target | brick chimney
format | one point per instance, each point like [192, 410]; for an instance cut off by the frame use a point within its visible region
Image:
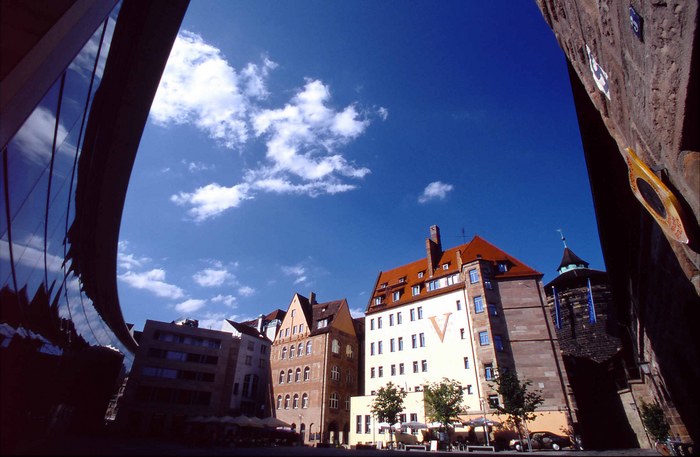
[433, 248]
[312, 298]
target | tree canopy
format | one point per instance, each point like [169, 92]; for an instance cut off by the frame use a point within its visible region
[519, 404]
[444, 401]
[388, 404]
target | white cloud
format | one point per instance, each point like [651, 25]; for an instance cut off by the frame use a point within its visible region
[154, 282]
[357, 312]
[212, 199]
[210, 277]
[214, 320]
[194, 167]
[383, 113]
[30, 254]
[246, 291]
[228, 300]
[435, 190]
[298, 271]
[190, 305]
[303, 137]
[35, 137]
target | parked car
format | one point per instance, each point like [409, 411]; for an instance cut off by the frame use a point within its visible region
[541, 440]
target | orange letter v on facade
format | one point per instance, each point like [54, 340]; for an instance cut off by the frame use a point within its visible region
[440, 332]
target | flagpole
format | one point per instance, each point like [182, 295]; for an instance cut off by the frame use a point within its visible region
[591, 306]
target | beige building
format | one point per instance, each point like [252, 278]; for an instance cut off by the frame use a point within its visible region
[460, 313]
[314, 366]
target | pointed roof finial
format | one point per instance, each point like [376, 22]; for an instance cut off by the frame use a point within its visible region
[563, 239]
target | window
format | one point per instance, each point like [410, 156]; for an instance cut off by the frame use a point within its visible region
[297, 375]
[322, 323]
[371, 372]
[414, 417]
[466, 363]
[300, 349]
[391, 320]
[414, 341]
[251, 345]
[398, 318]
[248, 360]
[301, 328]
[294, 311]
[498, 342]
[286, 331]
[335, 346]
[484, 338]
[263, 349]
[493, 401]
[368, 423]
[349, 378]
[286, 402]
[445, 266]
[415, 290]
[393, 370]
[279, 402]
[502, 267]
[392, 345]
[347, 403]
[358, 424]
[335, 373]
[305, 401]
[282, 377]
[402, 418]
[307, 373]
[473, 276]
[284, 352]
[415, 366]
[379, 322]
[371, 348]
[294, 330]
[349, 352]
[401, 368]
[433, 285]
[380, 372]
[459, 304]
[295, 401]
[261, 363]
[413, 314]
[452, 279]
[424, 365]
[487, 284]
[420, 312]
[396, 295]
[371, 324]
[469, 389]
[422, 340]
[493, 309]
[289, 376]
[378, 300]
[379, 348]
[292, 351]
[478, 304]
[334, 401]
[308, 347]
[489, 372]
[420, 274]
[401, 343]
[461, 333]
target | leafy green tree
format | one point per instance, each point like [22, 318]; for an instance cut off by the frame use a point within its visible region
[654, 421]
[444, 401]
[388, 404]
[519, 403]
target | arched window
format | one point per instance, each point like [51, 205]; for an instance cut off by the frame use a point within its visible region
[292, 351]
[334, 400]
[305, 401]
[307, 373]
[347, 403]
[282, 377]
[335, 373]
[279, 401]
[286, 401]
[284, 352]
[297, 375]
[300, 349]
[349, 352]
[295, 402]
[289, 375]
[335, 347]
[308, 347]
[349, 378]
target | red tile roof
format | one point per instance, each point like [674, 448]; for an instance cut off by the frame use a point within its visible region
[403, 278]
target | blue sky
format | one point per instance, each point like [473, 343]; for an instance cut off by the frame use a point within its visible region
[298, 146]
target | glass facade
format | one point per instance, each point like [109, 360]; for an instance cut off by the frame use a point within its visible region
[41, 290]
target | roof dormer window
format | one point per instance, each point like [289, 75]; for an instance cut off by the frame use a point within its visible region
[445, 266]
[503, 267]
[402, 279]
[383, 285]
[420, 274]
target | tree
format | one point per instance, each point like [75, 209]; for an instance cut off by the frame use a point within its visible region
[519, 404]
[444, 401]
[654, 421]
[388, 404]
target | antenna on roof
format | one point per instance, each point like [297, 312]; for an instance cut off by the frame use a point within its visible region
[463, 236]
[562, 237]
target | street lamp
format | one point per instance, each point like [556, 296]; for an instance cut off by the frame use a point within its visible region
[486, 433]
